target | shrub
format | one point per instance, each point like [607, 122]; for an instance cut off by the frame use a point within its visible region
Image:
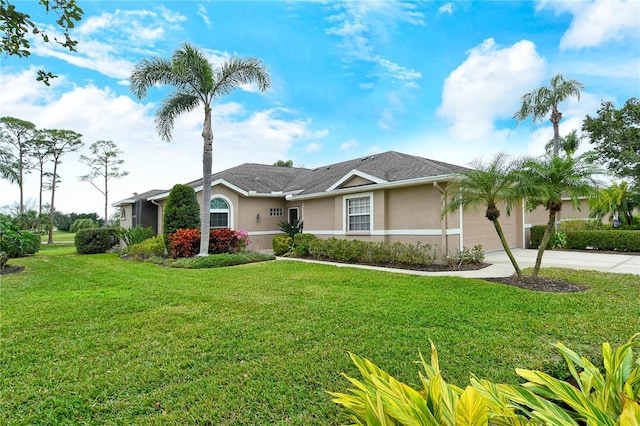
[79, 224]
[16, 242]
[148, 248]
[291, 229]
[93, 241]
[466, 256]
[215, 260]
[135, 235]
[281, 244]
[592, 398]
[301, 244]
[537, 232]
[181, 211]
[4, 258]
[184, 243]
[604, 240]
[579, 225]
[224, 240]
[340, 250]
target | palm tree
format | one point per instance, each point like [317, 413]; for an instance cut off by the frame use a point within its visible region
[538, 103]
[488, 185]
[197, 82]
[546, 181]
[616, 200]
[568, 144]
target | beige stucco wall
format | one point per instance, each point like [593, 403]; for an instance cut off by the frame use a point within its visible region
[477, 229]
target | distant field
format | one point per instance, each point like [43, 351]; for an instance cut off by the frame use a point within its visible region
[59, 237]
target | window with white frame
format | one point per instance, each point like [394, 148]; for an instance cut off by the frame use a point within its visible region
[219, 213]
[359, 214]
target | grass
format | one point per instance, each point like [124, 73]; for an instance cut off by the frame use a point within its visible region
[59, 237]
[95, 340]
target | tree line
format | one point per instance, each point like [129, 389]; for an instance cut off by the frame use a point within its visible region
[25, 149]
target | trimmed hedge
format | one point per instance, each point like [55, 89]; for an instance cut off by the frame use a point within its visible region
[281, 244]
[93, 241]
[537, 232]
[215, 260]
[604, 240]
[148, 248]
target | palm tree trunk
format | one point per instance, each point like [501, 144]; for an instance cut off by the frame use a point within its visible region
[207, 163]
[106, 196]
[545, 241]
[556, 116]
[507, 250]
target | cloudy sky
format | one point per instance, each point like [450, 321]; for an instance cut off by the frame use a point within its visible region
[349, 78]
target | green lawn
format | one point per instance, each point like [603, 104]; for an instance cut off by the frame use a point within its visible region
[97, 340]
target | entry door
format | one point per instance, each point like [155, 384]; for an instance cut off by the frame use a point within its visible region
[293, 215]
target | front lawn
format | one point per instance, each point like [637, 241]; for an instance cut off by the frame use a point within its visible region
[97, 340]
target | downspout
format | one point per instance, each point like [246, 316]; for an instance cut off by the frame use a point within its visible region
[444, 222]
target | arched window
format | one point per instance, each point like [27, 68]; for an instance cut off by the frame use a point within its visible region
[219, 213]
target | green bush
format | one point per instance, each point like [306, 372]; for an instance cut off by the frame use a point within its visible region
[79, 224]
[281, 244]
[291, 229]
[96, 240]
[135, 235]
[181, 211]
[340, 250]
[215, 260]
[537, 232]
[16, 242]
[604, 240]
[302, 243]
[148, 248]
[580, 225]
[466, 256]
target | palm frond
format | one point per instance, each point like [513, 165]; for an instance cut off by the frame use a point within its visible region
[171, 108]
[148, 73]
[194, 69]
[240, 71]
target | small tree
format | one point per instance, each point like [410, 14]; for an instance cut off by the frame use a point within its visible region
[615, 134]
[40, 151]
[104, 163]
[18, 134]
[60, 142]
[488, 185]
[182, 210]
[282, 163]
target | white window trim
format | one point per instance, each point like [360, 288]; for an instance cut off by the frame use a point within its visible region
[229, 203]
[345, 213]
[289, 212]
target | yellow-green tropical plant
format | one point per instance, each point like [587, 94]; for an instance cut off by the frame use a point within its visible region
[379, 399]
[612, 398]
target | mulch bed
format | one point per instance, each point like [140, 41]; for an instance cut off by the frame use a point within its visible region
[11, 269]
[548, 285]
[544, 284]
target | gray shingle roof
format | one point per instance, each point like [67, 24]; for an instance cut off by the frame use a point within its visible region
[389, 166]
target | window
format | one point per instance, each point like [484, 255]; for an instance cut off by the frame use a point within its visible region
[359, 214]
[275, 212]
[293, 214]
[123, 213]
[219, 213]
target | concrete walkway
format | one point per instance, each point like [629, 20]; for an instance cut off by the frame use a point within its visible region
[500, 265]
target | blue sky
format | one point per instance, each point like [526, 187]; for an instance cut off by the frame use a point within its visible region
[435, 79]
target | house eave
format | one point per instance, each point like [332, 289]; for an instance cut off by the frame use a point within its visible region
[373, 187]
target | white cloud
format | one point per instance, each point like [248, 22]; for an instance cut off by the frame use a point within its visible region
[350, 144]
[239, 136]
[107, 42]
[386, 120]
[599, 21]
[204, 14]
[313, 147]
[488, 86]
[446, 8]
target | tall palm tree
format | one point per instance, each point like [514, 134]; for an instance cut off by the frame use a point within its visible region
[546, 181]
[616, 200]
[489, 185]
[197, 82]
[538, 103]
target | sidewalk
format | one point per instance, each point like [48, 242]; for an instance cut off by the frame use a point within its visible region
[500, 265]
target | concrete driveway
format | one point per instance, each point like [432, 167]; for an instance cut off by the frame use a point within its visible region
[500, 265]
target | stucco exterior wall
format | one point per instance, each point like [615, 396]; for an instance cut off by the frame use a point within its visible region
[477, 229]
[126, 215]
